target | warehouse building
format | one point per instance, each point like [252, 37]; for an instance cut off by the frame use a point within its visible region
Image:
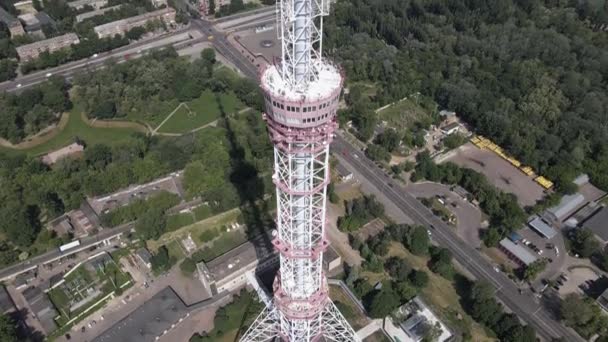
[598, 224]
[566, 206]
[14, 25]
[516, 252]
[33, 50]
[91, 14]
[542, 228]
[120, 27]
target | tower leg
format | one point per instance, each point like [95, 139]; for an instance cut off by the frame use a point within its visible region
[335, 326]
[264, 328]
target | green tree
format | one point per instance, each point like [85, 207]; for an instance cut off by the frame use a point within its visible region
[188, 266]
[418, 241]
[161, 261]
[383, 303]
[8, 329]
[419, 278]
[152, 224]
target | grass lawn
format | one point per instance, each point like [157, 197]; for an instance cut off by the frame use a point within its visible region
[203, 110]
[175, 250]
[177, 221]
[403, 114]
[441, 295]
[196, 229]
[76, 127]
[349, 310]
[223, 244]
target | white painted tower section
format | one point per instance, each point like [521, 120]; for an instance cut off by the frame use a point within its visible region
[301, 97]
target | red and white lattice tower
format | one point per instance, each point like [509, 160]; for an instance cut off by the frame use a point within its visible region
[301, 94]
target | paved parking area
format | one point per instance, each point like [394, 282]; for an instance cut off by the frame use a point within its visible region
[171, 183]
[468, 216]
[577, 277]
[498, 172]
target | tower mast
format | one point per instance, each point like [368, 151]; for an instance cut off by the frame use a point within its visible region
[301, 98]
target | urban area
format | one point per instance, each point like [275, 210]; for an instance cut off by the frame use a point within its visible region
[303, 170]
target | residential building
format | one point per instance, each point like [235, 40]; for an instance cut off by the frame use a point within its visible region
[451, 128]
[33, 50]
[598, 224]
[91, 14]
[41, 308]
[71, 150]
[516, 252]
[145, 257]
[542, 228]
[79, 4]
[120, 27]
[218, 4]
[344, 174]
[14, 25]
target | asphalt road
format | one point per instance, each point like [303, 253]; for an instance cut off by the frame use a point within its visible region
[523, 305]
[55, 254]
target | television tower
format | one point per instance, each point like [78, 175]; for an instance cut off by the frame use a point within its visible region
[301, 98]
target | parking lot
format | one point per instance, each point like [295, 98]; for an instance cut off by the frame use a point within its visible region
[498, 172]
[103, 204]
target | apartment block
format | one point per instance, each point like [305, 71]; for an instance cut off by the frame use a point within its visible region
[33, 50]
[120, 27]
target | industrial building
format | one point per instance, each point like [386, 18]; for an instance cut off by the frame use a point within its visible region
[33, 50]
[567, 205]
[228, 271]
[150, 321]
[516, 252]
[120, 27]
[80, 4]
[542, 228]
[598, 224]
[14, 25]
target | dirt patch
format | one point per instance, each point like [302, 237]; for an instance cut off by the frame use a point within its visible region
[115, 124]
[499, 172]
[576, 277]
[41, 137]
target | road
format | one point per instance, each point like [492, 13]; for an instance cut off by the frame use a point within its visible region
[524, 305]
[56, 254]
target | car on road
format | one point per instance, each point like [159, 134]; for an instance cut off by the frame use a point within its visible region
[19, 85]
[355, 155]
[94, 55]
[48, 74]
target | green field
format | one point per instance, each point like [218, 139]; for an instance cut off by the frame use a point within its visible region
[202, 111]
[403, 114]
[76, 127]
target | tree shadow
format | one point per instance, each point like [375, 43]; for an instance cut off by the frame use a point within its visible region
[24, 332]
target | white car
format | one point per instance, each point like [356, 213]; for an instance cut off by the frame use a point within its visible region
[356, 156]
[48, 74]
[95, 55]
[19, 85]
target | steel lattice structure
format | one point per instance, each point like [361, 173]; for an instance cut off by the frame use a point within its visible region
[301, 97]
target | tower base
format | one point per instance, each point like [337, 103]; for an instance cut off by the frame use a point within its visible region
[334, 327]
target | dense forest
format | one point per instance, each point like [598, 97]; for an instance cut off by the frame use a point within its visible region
[530, 74]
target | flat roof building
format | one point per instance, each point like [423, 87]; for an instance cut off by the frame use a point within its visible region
[343, 172]
[451, 128]
[228, 271]
[542, 228]
[14, 25]
[91, 14]
[150, 321]
[602, 300]
[79, 4]
[42, 308]
[120, 27]
[144, 256]
[566, 206]
[598, 224]
[32, 51]
[516, 252]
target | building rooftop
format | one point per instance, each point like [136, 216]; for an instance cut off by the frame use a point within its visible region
[598, 223]
[144, 254]
[567, 204]
[81, 3]
[41, 307]
[148, 321]
[329, 81]
[6, 302]
[542, 228]
[518, 251]
[342, 171]
[6, 17]
[602, 300]
[450, 126]
[135, 19]
[232, 261]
